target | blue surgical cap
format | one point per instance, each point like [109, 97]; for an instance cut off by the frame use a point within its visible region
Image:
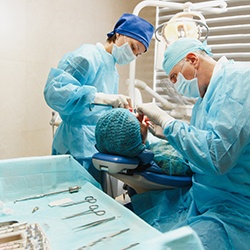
[118, 132]
[179, 49]
[134, 27]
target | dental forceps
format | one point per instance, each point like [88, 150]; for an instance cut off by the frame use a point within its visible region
[89, 199]
[104, 238]
[95, 223]
[92, 209]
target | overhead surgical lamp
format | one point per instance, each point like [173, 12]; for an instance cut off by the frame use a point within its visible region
[183, 24]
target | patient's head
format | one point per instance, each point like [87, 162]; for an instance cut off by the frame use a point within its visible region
[119, 132]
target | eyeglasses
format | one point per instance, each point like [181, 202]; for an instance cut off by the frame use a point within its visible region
[173, 77]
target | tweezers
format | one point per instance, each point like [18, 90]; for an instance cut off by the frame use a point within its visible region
[93, 224]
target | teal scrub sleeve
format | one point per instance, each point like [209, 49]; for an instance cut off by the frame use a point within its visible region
[69, 88]
[220, 125]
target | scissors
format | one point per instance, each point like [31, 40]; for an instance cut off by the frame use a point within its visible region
[89, 199]
[92, 209]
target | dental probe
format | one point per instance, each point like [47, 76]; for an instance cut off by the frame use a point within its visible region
[71, 190]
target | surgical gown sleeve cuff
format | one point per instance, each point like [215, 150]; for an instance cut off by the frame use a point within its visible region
[168, 120]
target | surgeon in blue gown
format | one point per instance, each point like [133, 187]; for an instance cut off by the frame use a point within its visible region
[216, 144]
[88, 75]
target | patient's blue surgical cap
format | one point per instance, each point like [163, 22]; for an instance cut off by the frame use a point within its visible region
[179, 49]
[134, 27]
[118, 132]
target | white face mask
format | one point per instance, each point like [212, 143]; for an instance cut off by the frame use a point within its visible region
[188, 88]
[123, 54]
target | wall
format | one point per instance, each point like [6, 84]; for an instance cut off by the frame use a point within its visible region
[34, 36]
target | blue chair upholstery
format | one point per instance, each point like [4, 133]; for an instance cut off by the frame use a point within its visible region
[150, 179]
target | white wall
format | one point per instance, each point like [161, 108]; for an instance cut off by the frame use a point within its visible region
[34, 34]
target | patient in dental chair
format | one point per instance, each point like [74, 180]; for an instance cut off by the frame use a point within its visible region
[119, 132]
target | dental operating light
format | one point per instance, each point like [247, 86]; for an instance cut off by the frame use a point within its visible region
[184, 24]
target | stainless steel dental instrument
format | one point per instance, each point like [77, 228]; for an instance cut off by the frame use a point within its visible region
[92, 209]
[130, 246]
[92, 105]
[103, 238]
[95, 223]
[35, 209]
[71, 190]
[89, 199]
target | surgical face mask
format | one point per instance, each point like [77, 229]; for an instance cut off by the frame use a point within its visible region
[123, 54]
[188, 88]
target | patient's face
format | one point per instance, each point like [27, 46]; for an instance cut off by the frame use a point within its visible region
[144, 127]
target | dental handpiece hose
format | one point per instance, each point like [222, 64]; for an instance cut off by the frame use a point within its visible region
[71, 190]
[143, 86]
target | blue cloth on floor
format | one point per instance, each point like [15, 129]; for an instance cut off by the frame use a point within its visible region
[221, 227]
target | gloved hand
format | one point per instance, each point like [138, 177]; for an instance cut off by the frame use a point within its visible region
[156, 130]
[155, 114]
[117, 101]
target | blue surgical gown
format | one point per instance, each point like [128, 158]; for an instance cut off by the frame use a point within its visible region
[70, 89]
[217, 146]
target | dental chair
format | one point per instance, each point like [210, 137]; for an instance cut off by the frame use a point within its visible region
[127, 170]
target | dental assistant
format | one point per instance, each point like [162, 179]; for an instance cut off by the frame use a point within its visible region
[216, 145]
[89, 75]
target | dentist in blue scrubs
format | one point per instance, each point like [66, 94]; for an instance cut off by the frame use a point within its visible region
[216, 145]
[88, 75]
